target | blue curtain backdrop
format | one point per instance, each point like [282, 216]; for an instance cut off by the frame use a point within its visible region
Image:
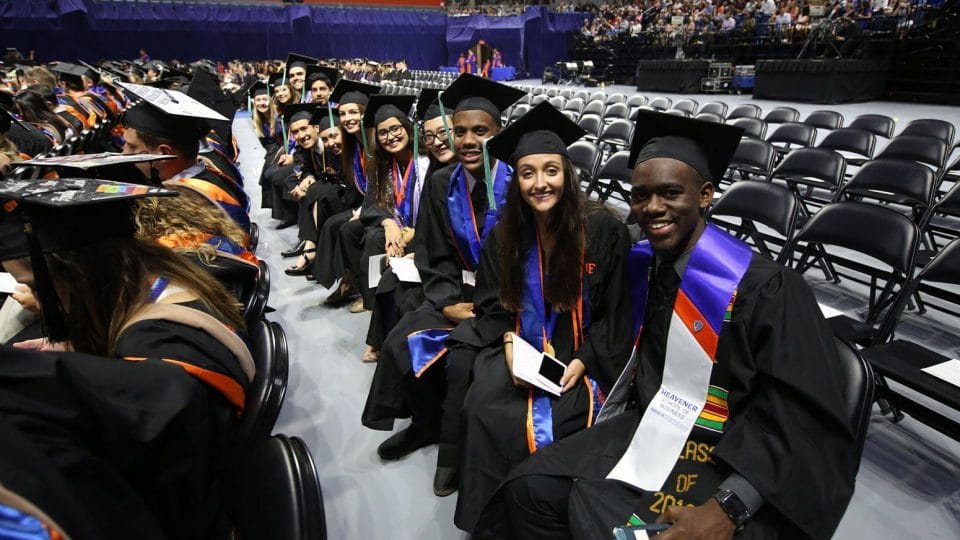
[427, 39]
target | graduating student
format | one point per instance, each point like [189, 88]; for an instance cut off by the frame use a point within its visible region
[393, 195]
[320, 82]
[459, 207]
[266, 121]
[552, 274]
[75, 98]
[284, 182]
[162, 126]
[145, 424]
[351, 98]
[296, 73]
[395, 298]
[730, 413]
[320, 190]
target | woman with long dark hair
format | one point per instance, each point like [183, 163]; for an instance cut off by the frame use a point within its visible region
[145, 418]
[393, 197]
[357, 141]
[33, 109]
[552, 274]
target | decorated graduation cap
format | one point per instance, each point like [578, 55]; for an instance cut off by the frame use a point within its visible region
[707, 147]
[61, 215]
[299, 60]
[472, 93]
[300, 111]
[169, 114]
[348, 91]
[382, 107]
[543, 130]
[427, 106]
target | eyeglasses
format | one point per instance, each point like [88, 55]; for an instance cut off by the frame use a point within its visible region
[392, 131]
[428, 137]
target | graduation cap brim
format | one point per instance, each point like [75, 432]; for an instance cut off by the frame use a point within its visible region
[428, 96]
[470, 92]
[705, 146]
[205, 88]
[293, 58]
[169, 114]
[542, 130]
[330, 73]
[276, 80]
[90, 161]
[346, 86]
[93, 72]
[299, 109]
[251, 89]
[173, 102]
[381, 103]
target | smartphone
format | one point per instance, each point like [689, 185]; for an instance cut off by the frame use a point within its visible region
[551, 369]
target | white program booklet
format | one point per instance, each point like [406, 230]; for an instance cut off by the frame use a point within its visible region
[948, 371]
[536, 368]
[405, 269]
[374, 273]
[8, 285]
[829, 311]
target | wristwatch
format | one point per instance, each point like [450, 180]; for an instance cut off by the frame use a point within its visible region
[733, 506]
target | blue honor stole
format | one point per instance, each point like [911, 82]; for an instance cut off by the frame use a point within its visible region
[536, 327]
[463, 222]
[359, 170]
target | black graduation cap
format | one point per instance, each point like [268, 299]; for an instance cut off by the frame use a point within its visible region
[169, 114]
[324, 119]
[470, 92]
[70, 72]
[300, 111]
[705, 146]
[205, 88]
[276, 80]
[299, 60]
[172, 83]
[543, 130]
[258, 88]
[348, 91]
[92, 72]
[382, 107]
[64, 214]
[320, 72]
[427, 107]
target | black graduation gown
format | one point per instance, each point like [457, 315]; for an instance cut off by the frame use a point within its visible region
[330, 262]
[786, 432]
[133, 447]
[494, 414]
[441, 273]
[324, 198]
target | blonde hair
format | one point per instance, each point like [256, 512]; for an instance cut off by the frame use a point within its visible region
[183, 222]
[270, 120]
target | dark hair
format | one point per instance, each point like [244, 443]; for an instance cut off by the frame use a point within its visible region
[33, 108]
[349, 142]
[187, 150]
[383, 160]
[104, 285]
[515, 238]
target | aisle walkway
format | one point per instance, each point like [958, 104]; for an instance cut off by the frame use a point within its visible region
[908, 486]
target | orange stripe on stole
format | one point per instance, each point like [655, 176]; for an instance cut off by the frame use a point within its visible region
[689, 313]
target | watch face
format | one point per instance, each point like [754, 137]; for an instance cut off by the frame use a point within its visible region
[733, 506]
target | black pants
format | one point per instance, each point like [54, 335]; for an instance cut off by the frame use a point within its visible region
[537, 507]
[459, 366]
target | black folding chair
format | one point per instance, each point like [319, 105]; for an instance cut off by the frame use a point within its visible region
[585, 156]
[268, 388]
[828, 120]
[871, 230]
[616, 136]
[613, 178]
[878, 124]
[594, 107]
[903, 361]
[592, 124]
[688, 105]
[754, 128]
[616, 111]
[931, 127]
[806, 170]
[636, 101]
[857, 145]
[860, 390]
[715, 107]
[746, 110]
[792, 136]
[275, 493]
[782, 115]
[753, 158]
[660, 103]
[771, 205]
[927, 150]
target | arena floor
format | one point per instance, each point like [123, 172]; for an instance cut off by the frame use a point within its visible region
[908, 485]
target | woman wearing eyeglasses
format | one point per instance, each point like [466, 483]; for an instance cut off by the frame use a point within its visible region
[393, 195]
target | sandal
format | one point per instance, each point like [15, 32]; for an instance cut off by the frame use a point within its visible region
[370, 355]
[357, 306]
[305, 269]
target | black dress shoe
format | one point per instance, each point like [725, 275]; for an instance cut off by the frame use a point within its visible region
[285, 225]
[407, 441]
[295, 250]
[445, 481]
[340, 297]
